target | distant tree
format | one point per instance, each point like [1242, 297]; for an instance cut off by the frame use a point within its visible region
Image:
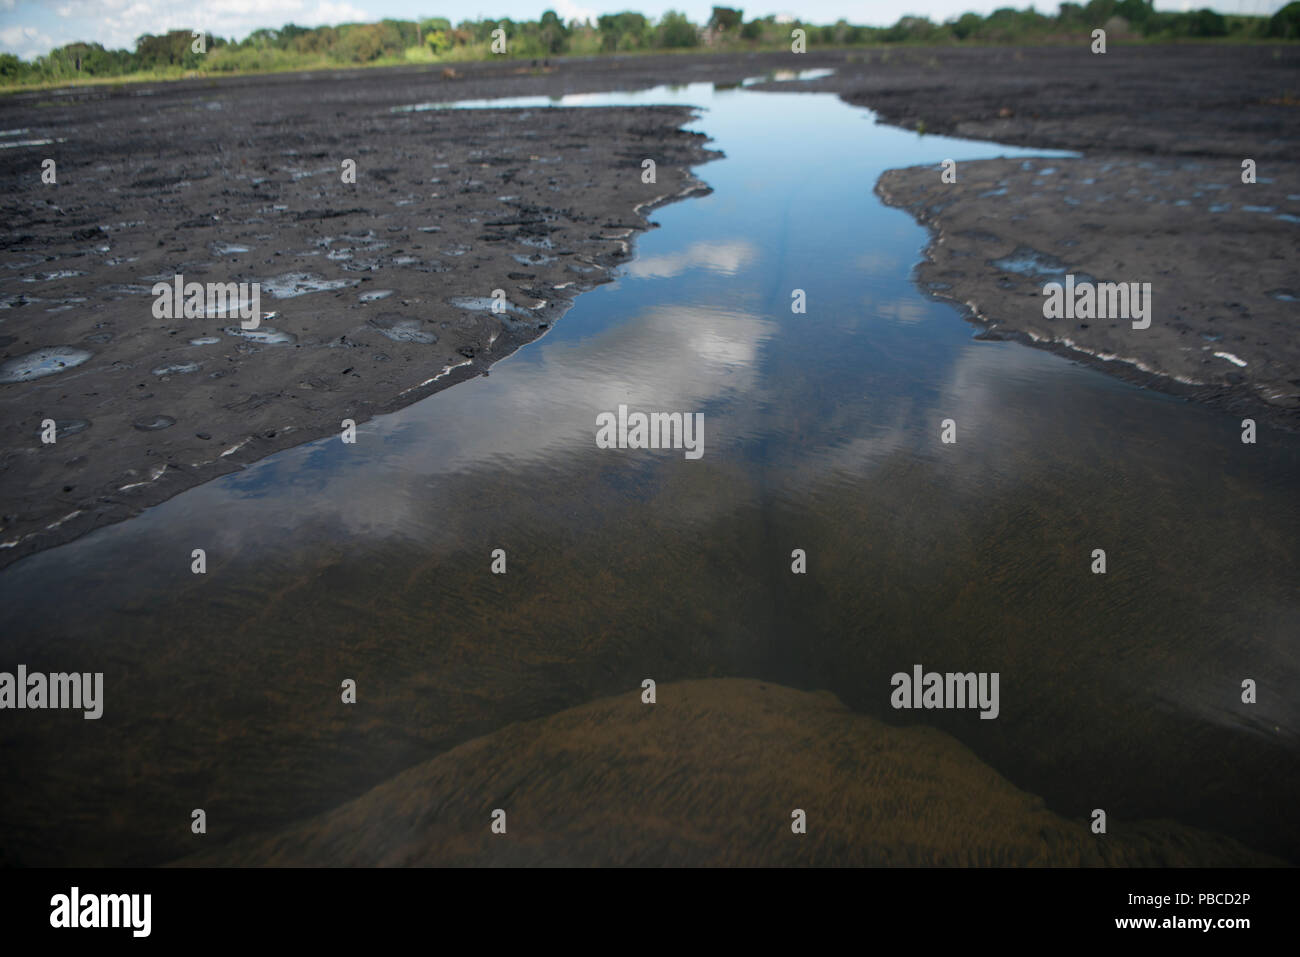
[966, 25]
[481, 30]
[290, 32]
[1099, 11]
[1136, 12]
[554, 35]
[315, 42]
[1198, 23]
[259, 39]
[437, 35]
[842, 32]
[624, 31]
[365, 42]
[725, 18]
[1071, 15]
[11, 68]
[399, 34]
[910, 28]
[170, 49]
[675, 31]
[1206, 23]
[1285, 24]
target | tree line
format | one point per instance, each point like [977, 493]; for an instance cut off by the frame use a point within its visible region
[435, 39]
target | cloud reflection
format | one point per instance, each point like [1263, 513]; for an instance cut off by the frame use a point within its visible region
[726, 258]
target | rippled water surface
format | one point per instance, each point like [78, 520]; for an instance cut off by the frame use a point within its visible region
[821, 432]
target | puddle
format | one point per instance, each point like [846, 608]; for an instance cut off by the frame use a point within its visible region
[263, 335]
[154, 423]
[64, 428]
[1025, 261]
[176, 368]
[701, 92]
[787, 76]
[485, 303]
[402, 330]
[42, 362]
[51, 276]
[290, 285]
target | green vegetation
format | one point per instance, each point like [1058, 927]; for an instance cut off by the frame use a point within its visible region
[1285, 24]
[436, 40]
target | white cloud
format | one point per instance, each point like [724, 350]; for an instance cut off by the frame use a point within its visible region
[117, 24]
[27, 42]
[726, 258]
[568, 10]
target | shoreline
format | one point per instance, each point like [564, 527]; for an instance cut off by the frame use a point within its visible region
[308, 107]
[1155, 195]
[1184, 356]
[160, 486]
[424, 228]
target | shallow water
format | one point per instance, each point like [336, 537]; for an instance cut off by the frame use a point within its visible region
[372, 560]
[42, 362]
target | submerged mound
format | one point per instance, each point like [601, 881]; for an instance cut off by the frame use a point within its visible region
[710, 775]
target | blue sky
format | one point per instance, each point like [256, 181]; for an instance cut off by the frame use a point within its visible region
[31, 27]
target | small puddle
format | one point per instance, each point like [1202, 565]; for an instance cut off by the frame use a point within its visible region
[176, 368]
[291, 285]
[403, 330]
[488, 304]
[154, 423]
[264, 335]
[42, 362]
[1030, 262]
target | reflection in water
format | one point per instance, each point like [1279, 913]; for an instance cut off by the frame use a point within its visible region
[371, 561]
[726, 258]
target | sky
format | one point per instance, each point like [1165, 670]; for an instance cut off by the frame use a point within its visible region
[33, 27]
